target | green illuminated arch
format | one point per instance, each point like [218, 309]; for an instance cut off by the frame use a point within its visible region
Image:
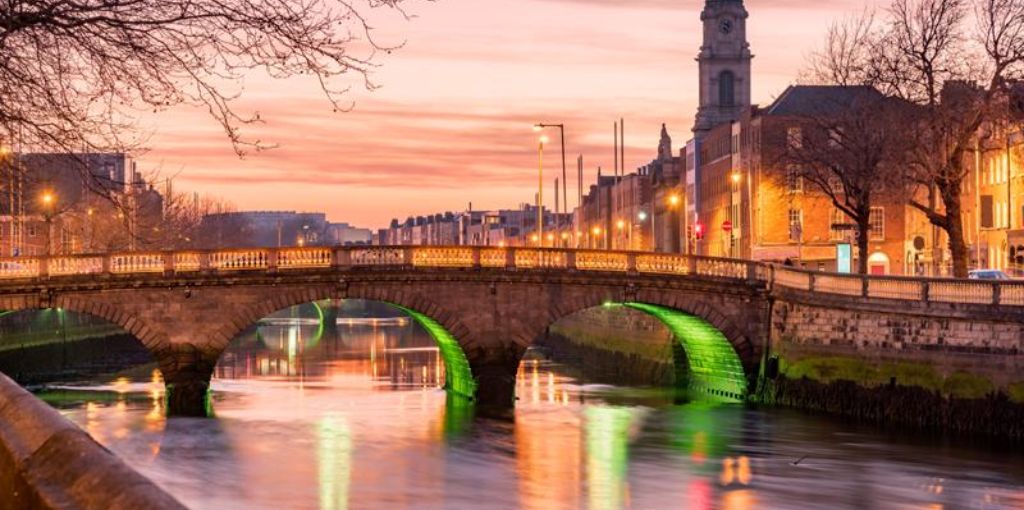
[714, 368]
[458, 377]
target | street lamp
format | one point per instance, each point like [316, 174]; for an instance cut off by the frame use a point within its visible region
[49, 199]
[565, 183]
[736, 178]
[540, 185]
[642, 218]
[597, 236]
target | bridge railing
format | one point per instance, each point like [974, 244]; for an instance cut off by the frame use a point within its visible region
[935, 290]
[293, 259]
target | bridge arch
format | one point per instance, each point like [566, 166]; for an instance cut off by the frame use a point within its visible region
[446, 330]
[151, 338]
[47, 339]
[718, 356]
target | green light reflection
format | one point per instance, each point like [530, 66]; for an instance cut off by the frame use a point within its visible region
[713, 368]
[458, 376]
[607, 443]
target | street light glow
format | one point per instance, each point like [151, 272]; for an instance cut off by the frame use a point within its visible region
[736, 177]
[48, 198]
[642, 216]
[597, 231]
[544, 139]
[674, 200]
[621, 224]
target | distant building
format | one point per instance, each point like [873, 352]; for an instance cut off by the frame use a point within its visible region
[270, 229]
[343, 234]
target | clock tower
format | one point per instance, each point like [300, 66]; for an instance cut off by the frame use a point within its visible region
[724, 62]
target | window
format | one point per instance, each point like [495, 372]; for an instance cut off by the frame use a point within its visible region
[836, 185]
[835, 137]
[794, 181]
[796, 224]
[838, 224]
[32, 231]
[794, 138]
[877, 223]
[726, 89]
[987, 212]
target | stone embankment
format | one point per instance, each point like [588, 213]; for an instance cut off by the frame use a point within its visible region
[958, 369]
[46, 462]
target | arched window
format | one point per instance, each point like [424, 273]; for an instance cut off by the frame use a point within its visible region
[727, 89]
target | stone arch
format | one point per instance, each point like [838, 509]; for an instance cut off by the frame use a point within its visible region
[685, 303]
[443, 326]
[150, 338]
[131, 325]
[690, 304]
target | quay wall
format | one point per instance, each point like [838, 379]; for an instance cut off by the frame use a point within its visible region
[48, 463]
[950, 368]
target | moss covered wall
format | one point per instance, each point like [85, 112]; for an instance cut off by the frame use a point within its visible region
[957, 357]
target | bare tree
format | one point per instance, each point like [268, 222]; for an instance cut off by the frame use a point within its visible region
[959, 77]
[75, 75]
[848, 149]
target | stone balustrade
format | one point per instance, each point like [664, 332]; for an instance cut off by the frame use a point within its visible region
[1006, 293]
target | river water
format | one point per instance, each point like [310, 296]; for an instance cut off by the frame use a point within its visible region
[308, 419]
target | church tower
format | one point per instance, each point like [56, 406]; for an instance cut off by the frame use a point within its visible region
[724, 64]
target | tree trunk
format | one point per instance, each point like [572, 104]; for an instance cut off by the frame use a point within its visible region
[863, 241]
[955, 229]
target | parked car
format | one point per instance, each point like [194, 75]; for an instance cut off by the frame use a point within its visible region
[988, 274]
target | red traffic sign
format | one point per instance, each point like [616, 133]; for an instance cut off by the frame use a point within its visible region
[727, 226]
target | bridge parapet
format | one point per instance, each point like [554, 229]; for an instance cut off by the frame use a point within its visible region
[936, 290]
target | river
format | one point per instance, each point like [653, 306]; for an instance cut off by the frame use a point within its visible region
[308, 418]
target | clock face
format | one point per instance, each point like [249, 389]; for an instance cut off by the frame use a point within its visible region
[725, 26]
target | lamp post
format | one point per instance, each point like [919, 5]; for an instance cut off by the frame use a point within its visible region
[642, 218]
[735, 178]
[673, 202]
[540, 187]
[565, 183]
[49, 200]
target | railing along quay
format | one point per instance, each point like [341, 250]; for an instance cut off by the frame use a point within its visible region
[290, 259]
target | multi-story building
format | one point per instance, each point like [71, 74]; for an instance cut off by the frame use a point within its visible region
[74, 203]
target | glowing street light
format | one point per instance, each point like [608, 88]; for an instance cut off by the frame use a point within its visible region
[642, 216]
[736, 178]
[48, 198]
[540, 182]
[674, 200]
[620, 224]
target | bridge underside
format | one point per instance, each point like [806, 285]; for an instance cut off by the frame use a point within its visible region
[712, 367]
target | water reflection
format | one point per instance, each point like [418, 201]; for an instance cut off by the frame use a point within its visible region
[352, 417]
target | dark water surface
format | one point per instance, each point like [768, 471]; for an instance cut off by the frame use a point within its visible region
[315, 420]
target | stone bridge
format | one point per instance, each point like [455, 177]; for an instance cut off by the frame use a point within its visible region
[485, 306]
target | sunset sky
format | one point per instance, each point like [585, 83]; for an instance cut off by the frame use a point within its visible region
[451, 121]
